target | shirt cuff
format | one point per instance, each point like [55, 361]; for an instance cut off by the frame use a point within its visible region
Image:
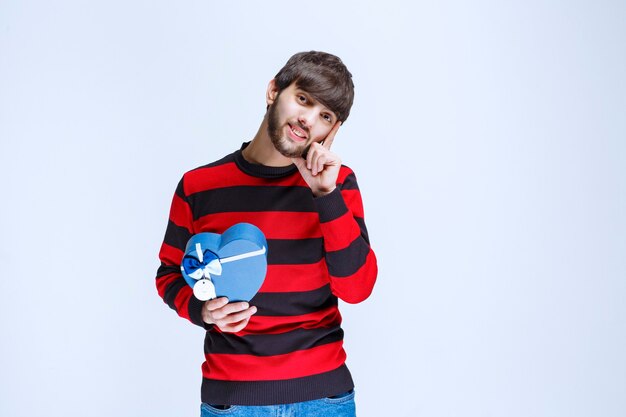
[330, 206]
[195, 313]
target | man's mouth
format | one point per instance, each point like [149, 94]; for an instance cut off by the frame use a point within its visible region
[296, 133]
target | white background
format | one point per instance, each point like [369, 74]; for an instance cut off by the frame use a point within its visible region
[488, 139]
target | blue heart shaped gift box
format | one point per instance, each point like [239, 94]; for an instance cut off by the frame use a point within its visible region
[231, 265]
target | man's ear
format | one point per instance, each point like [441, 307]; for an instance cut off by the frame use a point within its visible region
[272, 92]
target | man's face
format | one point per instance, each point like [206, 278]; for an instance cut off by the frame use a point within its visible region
[296, 119]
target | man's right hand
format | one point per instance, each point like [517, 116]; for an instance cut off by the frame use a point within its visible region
[230, 318]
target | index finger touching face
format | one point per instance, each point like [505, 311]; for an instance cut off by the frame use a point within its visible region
[328, 141]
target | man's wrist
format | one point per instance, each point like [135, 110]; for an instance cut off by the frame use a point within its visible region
[322, 193]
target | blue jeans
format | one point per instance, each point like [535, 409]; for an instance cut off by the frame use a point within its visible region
[341, 406]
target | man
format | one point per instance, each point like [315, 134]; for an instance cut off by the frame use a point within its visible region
[284, 351]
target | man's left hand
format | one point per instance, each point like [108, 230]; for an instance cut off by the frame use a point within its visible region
[321, 167]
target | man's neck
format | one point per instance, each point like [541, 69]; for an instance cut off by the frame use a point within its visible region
[261, 150]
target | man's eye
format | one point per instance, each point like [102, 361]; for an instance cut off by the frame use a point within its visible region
[302, 99]
[327, 117]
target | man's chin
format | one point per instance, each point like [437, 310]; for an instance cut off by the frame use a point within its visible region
[291, 154]
[293, 151]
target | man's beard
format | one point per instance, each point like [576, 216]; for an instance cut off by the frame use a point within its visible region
[282, 144]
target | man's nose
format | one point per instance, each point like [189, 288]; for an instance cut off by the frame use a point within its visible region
[306, 118]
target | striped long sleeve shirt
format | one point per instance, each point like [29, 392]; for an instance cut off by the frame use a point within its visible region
[318, 252]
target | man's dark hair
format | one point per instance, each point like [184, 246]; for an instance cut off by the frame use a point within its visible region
[322, 75]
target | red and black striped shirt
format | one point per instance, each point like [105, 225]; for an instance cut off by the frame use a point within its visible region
[318, 251]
